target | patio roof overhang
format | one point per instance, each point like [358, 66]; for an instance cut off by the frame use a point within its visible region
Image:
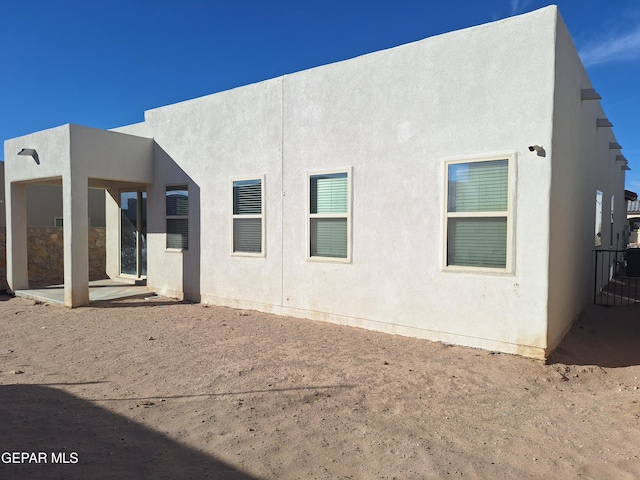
[77, 158]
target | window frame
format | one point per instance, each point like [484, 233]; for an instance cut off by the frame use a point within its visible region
[508, 214]
[612, 222]
[347, 215]
[176, 217]
[599, 208]
[262, 217]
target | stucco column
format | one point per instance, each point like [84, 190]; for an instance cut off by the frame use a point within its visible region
[76, 246]
[112, 235]
[17, 269]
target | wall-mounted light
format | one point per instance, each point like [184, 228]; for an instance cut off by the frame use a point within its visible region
[538, 149]
[30, 152]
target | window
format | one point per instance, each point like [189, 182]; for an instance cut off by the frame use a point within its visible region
[329, 215]
[248, 221]
[612, 218]
[478, 214]
[177, 201]
[598, 238]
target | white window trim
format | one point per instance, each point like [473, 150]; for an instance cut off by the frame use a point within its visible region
[612, 222]
[262, 217]
[348, 215]
[509, 214]
[176, 217]
[120, 191]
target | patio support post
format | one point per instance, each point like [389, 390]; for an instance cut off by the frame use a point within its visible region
[112, 234]
[17, 269]
[76, 248]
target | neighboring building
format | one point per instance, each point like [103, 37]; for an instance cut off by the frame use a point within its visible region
[633, 217]
[445, 189]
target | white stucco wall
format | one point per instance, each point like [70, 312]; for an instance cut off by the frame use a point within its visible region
[2, 196]
[204, 143]
[77, 158]
[582, 164]
[393, 117]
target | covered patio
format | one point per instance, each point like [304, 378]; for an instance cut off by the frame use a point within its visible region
[77, 158]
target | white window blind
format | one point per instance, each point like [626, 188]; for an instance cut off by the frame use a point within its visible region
[477, 211]
[247, 216]
[329, 237]
[329, 209]
[329, 193]
[177, 233]
[478, 187]
[177, 212]
[478, 242]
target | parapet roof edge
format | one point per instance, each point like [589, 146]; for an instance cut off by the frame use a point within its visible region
[538, 12]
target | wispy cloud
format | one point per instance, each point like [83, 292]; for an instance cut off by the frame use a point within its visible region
[633, 183]
[612, 48]
[517, 6]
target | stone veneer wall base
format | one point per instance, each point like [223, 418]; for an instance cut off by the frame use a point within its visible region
[46, 258]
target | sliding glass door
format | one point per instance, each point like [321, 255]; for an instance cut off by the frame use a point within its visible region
[133, 233]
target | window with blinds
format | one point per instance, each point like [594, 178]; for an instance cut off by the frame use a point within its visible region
[329, 215]
[248, 232]
[478, 214]
[177, 216]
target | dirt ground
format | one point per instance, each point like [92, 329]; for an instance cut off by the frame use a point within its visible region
[158, 389]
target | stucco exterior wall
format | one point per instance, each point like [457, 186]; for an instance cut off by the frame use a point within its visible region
[455, 96]
[78, 158]
[394, 118]
[3, 219]
[582, 164]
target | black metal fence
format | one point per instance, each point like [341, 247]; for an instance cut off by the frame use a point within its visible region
[616, 277]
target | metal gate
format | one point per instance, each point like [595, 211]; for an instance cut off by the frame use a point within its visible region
[611, 283]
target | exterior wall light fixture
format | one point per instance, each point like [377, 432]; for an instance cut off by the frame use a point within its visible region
[538, 149]
[30, 152]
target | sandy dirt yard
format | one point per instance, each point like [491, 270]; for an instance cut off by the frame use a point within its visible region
[158, 389]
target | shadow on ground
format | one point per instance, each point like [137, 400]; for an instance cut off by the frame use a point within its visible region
[36, 418]
[151, 300]
[603, 336]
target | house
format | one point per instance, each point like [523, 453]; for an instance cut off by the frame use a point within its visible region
[435, 190]
[633, 217]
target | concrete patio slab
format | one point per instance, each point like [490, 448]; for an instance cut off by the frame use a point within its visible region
[98, 290]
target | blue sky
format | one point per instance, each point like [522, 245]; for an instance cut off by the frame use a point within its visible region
[103, 63]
